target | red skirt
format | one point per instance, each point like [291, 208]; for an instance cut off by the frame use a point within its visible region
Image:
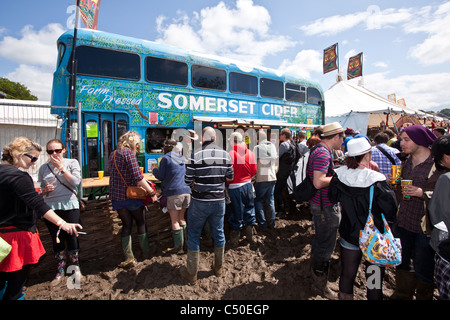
[26, 249]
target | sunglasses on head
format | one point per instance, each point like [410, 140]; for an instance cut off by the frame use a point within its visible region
[54, 151]
[33, 159]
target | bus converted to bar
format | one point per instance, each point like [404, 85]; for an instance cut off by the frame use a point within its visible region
[159, 91]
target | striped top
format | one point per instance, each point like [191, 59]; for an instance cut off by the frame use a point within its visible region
[209, 169]
[319, 160]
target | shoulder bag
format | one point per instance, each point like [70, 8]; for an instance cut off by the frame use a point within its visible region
[379, 248]
[133, 192]
[82, 203]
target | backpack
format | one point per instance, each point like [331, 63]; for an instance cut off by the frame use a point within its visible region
[300, 185]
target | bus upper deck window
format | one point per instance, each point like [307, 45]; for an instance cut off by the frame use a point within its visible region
[271, 88]
[243, 83]
[166, 71]
[295, 92]
[314, 96]
[209, 78]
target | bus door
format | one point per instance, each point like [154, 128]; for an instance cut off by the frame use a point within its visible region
[101, 132]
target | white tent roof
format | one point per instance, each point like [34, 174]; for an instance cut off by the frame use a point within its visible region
[343, 98]
[26, 113]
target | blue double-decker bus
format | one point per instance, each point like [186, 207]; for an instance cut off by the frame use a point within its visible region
[123, 83]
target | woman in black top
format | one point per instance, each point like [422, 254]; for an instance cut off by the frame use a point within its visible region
[351, 186]
[20, 207]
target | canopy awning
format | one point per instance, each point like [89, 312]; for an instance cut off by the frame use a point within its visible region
[253, 122]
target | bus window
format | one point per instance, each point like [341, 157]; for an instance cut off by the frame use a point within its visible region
[314, 96]
[271, 88]
[122, 128]
[92, 147]
[107, 143]
[155, 139]
[209, 78]
[61, 51]
[107, 63]
[166, 71]
[295, 92]
[243, 83]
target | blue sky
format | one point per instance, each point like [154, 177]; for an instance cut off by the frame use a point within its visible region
[406, 44]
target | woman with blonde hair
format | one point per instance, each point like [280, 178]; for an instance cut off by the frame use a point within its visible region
[20, 208]
[124, 171]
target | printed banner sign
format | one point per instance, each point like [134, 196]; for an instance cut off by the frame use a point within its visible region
[89, 13]
[330, 58]
[354, 69]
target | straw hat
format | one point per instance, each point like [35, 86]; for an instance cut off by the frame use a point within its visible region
[332, 128]
[191, 134]
[358, 146]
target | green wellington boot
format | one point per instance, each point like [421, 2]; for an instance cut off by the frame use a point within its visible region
[190, 271]
[130, 261]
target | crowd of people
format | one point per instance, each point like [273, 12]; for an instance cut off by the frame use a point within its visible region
[247, 189]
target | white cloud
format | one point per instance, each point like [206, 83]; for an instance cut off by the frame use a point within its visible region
[435, 49]
[36, 54]
[241, 33]
[424, 91]
[37, 79]
[35, 47]
[305, 62]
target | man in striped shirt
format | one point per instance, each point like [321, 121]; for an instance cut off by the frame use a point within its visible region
[208, 170]
[326, 215]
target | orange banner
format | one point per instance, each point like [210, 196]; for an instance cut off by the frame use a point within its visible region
[330, 58]
[354, 67]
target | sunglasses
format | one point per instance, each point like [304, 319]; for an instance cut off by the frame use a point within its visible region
[54, 151]
[33, 159]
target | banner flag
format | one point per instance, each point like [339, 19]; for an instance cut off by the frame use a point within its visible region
[89, 12]
[391, 97]
[354, 66]
[402, 102]
[330, 58]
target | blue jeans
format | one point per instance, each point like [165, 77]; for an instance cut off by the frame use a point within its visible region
[264, 191]
[242, 207]
[198, 214]
[416, 246]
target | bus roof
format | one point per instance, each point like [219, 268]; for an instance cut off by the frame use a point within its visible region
[146, 47]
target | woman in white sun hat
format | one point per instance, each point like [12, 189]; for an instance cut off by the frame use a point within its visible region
[351, 187]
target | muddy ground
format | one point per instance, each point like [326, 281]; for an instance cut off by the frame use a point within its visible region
[275, 267]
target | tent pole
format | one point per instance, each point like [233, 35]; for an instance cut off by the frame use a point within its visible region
[393, 122]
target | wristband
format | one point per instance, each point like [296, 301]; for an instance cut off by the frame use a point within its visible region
[59, 230]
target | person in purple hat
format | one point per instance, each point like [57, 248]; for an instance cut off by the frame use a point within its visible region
[411, 226]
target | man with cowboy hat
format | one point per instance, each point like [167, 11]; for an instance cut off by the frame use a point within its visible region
[326, 215]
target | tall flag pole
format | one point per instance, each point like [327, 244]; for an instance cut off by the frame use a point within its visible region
[354, 69]
[73, 78]
[330, 58]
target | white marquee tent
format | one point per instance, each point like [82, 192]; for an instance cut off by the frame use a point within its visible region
[351, 105]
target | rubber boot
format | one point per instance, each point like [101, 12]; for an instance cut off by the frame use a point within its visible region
[405, 285]
[61, 261]
[190, 271]
[184, 228]
[74, 260]
[145, 246]
[218, 261]
[425, 290]
[320, 280]
[234, 237]
[130, 261]
[2, 291]
[249, 233]
[178, 241]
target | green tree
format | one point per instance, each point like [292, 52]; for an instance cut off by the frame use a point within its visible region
[15, 90]
[445, 112]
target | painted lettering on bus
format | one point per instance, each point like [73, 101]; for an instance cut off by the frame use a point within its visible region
[210, 104]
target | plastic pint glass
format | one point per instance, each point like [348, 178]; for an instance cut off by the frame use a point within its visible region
[396, 172]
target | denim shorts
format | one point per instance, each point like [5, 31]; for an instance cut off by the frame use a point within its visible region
[349, 246]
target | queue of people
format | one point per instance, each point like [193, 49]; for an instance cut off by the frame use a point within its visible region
[214, 183]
